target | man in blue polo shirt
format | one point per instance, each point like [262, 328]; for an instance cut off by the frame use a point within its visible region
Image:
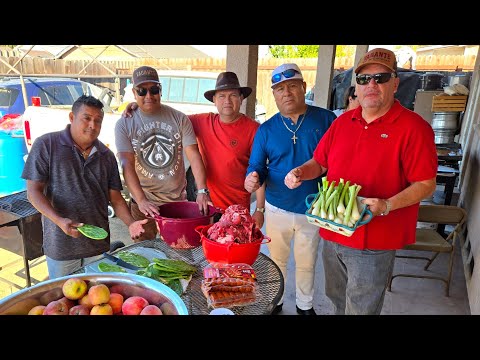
[287, 140]
[71, 178]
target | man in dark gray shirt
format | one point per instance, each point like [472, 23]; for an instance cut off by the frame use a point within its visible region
[71, 178]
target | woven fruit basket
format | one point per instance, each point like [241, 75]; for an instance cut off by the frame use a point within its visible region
[333, 226]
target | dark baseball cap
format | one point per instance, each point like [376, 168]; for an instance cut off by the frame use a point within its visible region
[378, 56]
[145, 74]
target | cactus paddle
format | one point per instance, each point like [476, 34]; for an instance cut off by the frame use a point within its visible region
[93, 232]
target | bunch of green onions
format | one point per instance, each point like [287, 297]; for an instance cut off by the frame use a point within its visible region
[337, 203]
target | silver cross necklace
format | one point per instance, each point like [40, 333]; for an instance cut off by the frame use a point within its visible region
[294, 137]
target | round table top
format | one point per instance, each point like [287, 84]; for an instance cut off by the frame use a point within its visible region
[269, 280]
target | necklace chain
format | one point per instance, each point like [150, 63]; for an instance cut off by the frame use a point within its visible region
[294, 137]
[83, 151]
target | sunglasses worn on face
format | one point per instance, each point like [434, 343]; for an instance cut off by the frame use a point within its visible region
[154, 90]
[287, 74]
[379, 78]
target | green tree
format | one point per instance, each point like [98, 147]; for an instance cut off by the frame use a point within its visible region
[306, 51]
[311, 51]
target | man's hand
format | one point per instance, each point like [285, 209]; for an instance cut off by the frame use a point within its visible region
[69, 227]
[128, 112]
[148, 208]
[292, 179]
[203, 200]
[252, 182]
[136, 229]
[259, 218]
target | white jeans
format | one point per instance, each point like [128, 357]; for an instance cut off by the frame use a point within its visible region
[281, 226]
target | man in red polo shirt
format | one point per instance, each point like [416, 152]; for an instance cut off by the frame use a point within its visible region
[389, 151]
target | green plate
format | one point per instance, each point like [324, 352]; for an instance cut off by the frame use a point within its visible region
[93, 232]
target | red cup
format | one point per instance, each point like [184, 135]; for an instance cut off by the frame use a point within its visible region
[36, 101]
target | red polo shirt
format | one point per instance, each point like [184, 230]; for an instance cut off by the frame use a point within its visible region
[384, 157]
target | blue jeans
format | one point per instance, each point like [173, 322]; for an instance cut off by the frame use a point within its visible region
[356, 280]
[59, 268]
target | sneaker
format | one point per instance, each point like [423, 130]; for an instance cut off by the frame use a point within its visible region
[277, 309]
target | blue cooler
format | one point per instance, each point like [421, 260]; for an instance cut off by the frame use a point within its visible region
[12, 151]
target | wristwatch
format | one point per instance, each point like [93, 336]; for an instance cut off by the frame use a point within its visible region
[203, 191]
[387, 210]
[262, 210]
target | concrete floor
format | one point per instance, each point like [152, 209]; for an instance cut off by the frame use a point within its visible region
[408, 297]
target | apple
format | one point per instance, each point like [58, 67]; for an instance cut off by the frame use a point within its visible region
[116, 302]
[74, 288]
[99, 294]
[79, 310]
[151, 310]
[56, 308]
[37, 310]
[134, 305]
[101, 309]
[68, 302]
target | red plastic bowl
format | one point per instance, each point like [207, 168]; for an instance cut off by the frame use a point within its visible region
[229, 253]
[177, 222]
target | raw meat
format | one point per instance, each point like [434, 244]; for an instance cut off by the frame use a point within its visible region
[235, 226]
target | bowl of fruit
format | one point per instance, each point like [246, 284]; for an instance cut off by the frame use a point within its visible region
[95, 294]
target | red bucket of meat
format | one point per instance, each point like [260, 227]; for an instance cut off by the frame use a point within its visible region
[231, 241]
[177, 221]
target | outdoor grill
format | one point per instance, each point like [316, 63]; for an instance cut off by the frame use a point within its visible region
[16, 210]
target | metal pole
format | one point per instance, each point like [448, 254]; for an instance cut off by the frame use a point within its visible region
[22, 82]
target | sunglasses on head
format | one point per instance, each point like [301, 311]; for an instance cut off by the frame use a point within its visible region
[154, 90]
[287, 74]
[380, 78]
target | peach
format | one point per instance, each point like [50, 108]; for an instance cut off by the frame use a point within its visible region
[74, 288]
[79, 310]
[134, 305]
[85, 301]
[37, 310]
[56, 308]
[68, 302]
[101, 309]
[151, 310]
[116, 302]
[99, 294]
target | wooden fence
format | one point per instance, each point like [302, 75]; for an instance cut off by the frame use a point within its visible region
[97, 74]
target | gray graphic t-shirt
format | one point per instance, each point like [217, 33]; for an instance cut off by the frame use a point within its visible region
[157, 142]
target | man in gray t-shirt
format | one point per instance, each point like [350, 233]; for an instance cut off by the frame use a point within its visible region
[150, 149]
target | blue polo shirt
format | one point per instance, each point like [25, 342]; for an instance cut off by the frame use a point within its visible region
[274, 154]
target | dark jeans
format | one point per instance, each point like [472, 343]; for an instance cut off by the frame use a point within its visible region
[356, 280]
